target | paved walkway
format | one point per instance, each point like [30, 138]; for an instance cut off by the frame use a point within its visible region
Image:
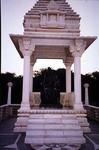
[10, 140]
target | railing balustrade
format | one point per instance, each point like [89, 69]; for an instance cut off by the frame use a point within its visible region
[8, 111]
[92, 112]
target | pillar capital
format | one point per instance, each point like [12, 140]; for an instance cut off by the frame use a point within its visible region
[27, 53]
[68, 61]
[68, 64]
[25, 44]
[77, 54]
[86, 85]
[77, 47]
[9, 84]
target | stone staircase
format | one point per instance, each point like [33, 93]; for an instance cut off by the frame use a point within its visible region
[53, 128]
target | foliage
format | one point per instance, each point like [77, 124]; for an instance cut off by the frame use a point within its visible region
[92, 79]
[94, 75]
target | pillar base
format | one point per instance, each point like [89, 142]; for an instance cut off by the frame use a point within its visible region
[22, 120]
[78, 106]
[24, 106]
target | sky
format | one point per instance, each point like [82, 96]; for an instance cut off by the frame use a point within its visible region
[12, 15]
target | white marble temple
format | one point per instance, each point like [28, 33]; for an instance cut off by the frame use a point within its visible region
[52, 31]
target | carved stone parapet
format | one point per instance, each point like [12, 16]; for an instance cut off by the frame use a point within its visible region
[35, 99]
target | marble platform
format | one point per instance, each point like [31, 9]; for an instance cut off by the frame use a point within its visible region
[52, 126]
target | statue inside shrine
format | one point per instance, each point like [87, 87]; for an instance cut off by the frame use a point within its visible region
[50, 92]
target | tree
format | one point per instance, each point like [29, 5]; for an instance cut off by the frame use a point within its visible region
[92, 79]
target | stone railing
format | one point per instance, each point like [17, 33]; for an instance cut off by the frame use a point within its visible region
[92, 112]
[8, 111]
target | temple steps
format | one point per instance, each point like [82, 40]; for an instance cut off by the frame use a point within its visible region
[53, 128]
[54, 132]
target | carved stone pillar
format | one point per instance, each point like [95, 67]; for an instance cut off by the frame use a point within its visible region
[9, 93]
[23, 112]
[68, 80]
[68, 77]
[86, 85]
[31, 77]
[26, 80]
[77, 82]
[77, 48]
[31, 84]
[26, 48]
